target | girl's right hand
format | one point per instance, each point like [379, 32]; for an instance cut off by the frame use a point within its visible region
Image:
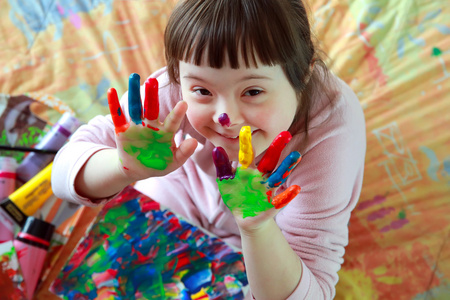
[145, 146]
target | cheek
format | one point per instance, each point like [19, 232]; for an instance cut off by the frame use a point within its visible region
[198, 115]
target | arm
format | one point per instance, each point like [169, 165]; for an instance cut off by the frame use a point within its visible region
[269, 276]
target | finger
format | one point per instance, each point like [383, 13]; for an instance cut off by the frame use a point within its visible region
[119, 120]
[134, 98]
[222, 163]
[270, 159]
[283, 171]
[245, 147]
[285, 197]
[174, 119]
[151, 100]
[185, 150]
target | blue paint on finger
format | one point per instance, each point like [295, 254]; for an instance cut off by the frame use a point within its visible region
[134, 98]
[284, 170]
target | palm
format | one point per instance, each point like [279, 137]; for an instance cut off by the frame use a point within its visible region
[145, 145]
[249, 193]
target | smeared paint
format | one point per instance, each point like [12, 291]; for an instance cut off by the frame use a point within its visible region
[245, 193]
[380, 214]
[284, 170]
[11, 280]
[222, 163]
[397, 224]
[378, 199]
[155, 149]
[134, 250]
[272, 155]
[134, 98]
[245, 147]
[224, 120]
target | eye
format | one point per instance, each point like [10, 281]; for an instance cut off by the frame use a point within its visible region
[253, 92]
[202, 92]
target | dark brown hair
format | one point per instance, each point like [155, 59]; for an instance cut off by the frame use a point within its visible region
[274, 31]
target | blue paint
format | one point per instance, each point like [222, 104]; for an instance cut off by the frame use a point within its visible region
[134, 98]
[433, 167]
[279, 176]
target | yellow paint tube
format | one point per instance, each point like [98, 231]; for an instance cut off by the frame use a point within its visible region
[26, 200]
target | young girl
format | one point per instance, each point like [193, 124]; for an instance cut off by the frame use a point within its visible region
[232, 64]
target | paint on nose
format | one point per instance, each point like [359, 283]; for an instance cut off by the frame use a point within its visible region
[224, 120]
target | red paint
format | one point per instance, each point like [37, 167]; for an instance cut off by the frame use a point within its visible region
[151, 100]
[270, 159]
[154, 128]
[285, 197]
[118, 117]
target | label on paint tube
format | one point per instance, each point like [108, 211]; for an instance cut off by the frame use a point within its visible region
[26, 200]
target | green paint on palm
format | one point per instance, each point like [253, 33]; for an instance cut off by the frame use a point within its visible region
[245, 193]
[153, 148]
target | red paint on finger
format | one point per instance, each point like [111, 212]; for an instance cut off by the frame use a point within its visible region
[151, 101]
[285, 197]
[119, 120]
[270, 159]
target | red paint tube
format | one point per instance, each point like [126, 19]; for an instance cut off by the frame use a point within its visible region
[31, 245]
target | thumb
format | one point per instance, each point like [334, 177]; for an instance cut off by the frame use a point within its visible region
[185, 150]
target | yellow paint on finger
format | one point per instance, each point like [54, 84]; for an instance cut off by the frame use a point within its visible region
[245, 147]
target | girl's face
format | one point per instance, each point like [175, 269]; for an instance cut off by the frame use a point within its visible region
[261, 98]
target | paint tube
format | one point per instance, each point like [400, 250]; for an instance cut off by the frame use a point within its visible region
[27, 199]
[8, 167]
[53, 140]
[31, 245]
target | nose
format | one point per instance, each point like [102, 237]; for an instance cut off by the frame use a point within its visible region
[228, 113]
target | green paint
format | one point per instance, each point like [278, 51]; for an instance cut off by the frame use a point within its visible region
[245, 193]
[436, 52]
[28, 138]
[153, 148]
[402, 215]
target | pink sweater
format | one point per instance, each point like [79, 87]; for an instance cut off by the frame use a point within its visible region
[314, 223]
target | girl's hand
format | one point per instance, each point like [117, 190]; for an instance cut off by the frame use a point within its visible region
[145, 146]
[248, 193]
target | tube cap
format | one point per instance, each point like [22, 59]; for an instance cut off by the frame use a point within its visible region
[38, 228]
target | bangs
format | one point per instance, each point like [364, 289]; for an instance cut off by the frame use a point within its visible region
[232, 31]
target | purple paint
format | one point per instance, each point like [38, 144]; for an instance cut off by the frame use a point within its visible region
[397, 224]
[224, 120]
[379, 214]
[222, 163]
[378, 199]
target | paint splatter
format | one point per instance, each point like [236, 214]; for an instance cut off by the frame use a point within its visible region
[135, 250]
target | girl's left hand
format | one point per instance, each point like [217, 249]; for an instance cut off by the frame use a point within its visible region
[248, 193]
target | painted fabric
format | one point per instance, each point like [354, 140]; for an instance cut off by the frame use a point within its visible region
[394, 54]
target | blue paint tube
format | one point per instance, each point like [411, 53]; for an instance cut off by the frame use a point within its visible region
[53, 140]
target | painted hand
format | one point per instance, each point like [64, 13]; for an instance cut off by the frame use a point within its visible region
[249, 192]
[145, 145]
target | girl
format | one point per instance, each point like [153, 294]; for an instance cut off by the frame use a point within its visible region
[231, 64]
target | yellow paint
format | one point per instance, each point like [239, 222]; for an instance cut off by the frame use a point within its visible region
[245, 147]
[380, 270]
[390, 280]
[200, 295]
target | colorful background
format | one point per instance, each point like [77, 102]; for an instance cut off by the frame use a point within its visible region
[394, 54]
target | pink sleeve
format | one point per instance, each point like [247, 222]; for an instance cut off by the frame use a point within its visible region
[330, 174]
[97, 135]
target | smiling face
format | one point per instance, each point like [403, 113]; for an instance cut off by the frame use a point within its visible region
[260, 97]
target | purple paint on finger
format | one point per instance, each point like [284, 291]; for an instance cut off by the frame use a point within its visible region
[224, 120]
[222, 163]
